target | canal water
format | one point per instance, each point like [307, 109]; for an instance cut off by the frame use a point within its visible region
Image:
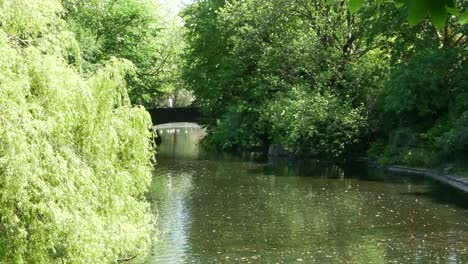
[225, 210]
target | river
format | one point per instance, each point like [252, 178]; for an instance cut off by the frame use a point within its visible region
[227, 210]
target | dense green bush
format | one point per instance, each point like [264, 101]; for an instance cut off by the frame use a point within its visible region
[317, 124]
[74, 154]
[425, 86]
[454, 142]
[424, 109]
[237, 130]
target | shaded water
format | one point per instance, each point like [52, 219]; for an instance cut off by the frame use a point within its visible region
[218, 211]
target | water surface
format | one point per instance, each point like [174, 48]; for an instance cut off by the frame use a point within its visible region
[231, 211]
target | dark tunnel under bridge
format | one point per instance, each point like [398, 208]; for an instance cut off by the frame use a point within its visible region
[174, 115]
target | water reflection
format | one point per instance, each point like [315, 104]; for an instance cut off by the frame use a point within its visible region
[242, 212]
[170, 193]
[179, 140]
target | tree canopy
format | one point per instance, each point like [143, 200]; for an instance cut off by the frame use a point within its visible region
[135, 30]
[327, 78]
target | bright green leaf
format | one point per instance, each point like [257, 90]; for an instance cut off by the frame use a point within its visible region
[438, 13]
[452, 11]
[463, 19]
[400, 3]
[417, 11]
[355, 5]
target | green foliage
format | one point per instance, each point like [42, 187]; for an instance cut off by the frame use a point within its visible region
[134, 30]
[244, 55]
[454, 142]
[316, 124]
[425, 85]
[424, 109]
[355, 5]
[464, 18]
[419, 10]
[74, 154]
[237, 130]
[319, 78]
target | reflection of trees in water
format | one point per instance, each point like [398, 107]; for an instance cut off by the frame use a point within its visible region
[228, 210]
[179, 140]
[170, 192]
[279, 166]
[333, 220]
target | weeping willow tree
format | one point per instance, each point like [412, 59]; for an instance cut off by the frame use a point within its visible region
[74, 154]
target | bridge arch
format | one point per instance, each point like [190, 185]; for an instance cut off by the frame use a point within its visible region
[174, 115]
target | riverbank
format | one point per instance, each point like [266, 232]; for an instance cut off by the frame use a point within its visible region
[458, 182]
[277, 153]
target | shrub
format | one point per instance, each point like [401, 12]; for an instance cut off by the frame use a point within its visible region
[317, 124]
[454, 143]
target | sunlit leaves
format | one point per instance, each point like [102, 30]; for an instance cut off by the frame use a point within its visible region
[248, 54]
[135, 30]
[74, 154]
[315, 124]
[355, 5]
[418, 10]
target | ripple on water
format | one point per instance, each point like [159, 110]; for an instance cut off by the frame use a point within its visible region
[238, 212]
